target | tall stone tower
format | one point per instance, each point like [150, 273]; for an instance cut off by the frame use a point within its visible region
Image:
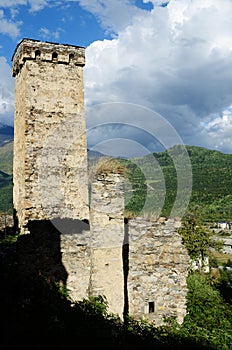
[50, 152]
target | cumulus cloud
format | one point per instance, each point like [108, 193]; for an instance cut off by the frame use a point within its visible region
[218, 130]
[48, 34]
[35, 5]
[175, 60]
[7, 27]
[6, 93]
[113, 15]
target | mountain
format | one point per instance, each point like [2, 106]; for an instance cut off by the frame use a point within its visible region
[93, 156]
[6, 168]
[6, 157]
[211, 180]
[6, 134]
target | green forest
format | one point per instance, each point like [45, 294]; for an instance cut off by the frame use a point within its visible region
[6, 177]
[211, 182]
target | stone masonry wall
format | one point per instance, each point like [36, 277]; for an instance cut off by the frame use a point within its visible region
[76, 257]
[50, 162]
[107, 236]
[158, 268]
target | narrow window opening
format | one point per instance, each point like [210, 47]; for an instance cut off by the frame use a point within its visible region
[54, 56]
[71, 57]
[151, 307]
[37, 54]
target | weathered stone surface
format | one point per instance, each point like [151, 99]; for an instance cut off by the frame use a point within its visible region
[107, 237]
[50, 162]
[76, 257]
[158, 267]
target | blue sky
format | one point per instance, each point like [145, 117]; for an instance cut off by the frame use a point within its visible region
[155, 60]
[66, 23]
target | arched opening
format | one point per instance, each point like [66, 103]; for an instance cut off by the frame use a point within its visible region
[54, 56]
[71, 57]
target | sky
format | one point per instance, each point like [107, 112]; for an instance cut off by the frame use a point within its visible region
[157, 72]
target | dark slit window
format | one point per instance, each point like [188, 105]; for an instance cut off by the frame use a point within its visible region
[37, 54]
[71, 57]
[151, 307]
[54, 56]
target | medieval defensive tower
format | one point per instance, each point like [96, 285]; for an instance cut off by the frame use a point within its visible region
[139, 265]
[50, 163]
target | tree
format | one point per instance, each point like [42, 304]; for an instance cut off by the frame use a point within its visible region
[197, 238]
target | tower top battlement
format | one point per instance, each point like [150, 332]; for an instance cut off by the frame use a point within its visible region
[29, 49]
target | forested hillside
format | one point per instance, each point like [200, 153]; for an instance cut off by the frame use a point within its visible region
[150, 182]
[6, 171]
[211, 182]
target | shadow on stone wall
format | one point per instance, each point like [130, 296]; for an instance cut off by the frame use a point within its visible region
[39, 252]
[36, 315]
[125, 259]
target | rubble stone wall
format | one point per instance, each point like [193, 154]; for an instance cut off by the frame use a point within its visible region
[158, 268]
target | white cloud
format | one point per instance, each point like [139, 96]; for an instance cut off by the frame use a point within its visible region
[7, 27]
[6, 93]
[218, 130]
[35, 5]
[47, 34]
[175, 60]
[113, 15]
[11, 3]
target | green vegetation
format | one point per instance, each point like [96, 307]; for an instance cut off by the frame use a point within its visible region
[6, 171]
[209, 317]
[6, 195]
[37, 313]
[211, 187]
[6, 158]
[198, 238]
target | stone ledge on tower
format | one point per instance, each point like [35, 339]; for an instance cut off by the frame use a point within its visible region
[29, 49]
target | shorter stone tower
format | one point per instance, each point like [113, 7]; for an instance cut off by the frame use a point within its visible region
[50, 152]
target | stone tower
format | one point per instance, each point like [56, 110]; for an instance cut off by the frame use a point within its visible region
[139, 265]
[50, 152]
